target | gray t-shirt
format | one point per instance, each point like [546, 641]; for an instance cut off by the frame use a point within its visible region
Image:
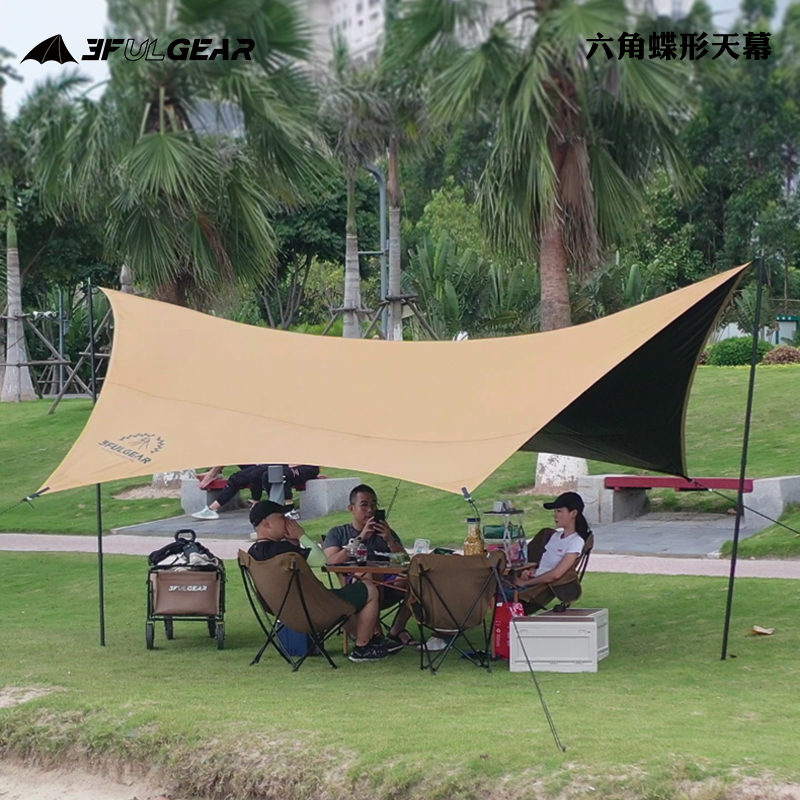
[342, 534]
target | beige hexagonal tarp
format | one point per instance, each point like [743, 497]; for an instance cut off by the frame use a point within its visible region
[185, 389]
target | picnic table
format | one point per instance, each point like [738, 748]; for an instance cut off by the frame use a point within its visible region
[382, 569]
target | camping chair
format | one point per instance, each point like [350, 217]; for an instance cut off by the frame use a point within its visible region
[453, 594]
[568, 588]
[289, 593]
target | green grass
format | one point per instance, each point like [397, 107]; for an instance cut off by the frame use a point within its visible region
[772, 542]
[662, 708]
[33, 444]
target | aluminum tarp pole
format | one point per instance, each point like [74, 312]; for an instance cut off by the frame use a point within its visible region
[740, 498]
[98, 498]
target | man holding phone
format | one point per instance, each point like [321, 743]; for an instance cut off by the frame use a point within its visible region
[370, 526]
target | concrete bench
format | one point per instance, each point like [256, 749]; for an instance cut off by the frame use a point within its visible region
[611, 498]
[321, 497]
[192, 495]
[318, 497]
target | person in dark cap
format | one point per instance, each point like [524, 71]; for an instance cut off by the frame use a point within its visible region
[276, 534]
[562, 550]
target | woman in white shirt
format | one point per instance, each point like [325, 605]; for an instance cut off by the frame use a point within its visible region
[557, 561]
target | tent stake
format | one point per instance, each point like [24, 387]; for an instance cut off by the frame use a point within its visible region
[98, 498]
[740, 498]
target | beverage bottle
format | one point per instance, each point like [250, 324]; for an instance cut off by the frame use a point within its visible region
[361, 554]
[473, 544]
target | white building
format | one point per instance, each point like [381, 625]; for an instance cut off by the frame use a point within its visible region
[360, 23]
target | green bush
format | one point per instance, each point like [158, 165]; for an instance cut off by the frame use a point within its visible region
[782, 354]
[736, 352]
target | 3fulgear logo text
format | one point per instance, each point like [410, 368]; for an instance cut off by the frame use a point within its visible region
[135, 446]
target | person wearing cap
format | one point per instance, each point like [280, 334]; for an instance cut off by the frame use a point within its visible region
[276, 534]
[561, 552]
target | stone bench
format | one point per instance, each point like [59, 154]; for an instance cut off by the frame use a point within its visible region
[321, 496]
[611, 498]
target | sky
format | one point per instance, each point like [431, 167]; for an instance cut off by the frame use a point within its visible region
[25, 23]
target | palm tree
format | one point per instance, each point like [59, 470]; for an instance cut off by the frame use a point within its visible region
[575, 140]
[354, 116]
[399, 83]
[185, 159]
[15, 380]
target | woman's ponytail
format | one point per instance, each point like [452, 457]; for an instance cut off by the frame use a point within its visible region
[582, 526]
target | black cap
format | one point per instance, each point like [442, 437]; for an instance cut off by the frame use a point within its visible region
[261, 510]
[569, 500]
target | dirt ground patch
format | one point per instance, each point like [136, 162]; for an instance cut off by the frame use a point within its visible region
[22, 782]
[148, 493]
[14, 695]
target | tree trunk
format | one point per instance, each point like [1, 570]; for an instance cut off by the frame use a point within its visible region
[555, 473]
[554, 303]
[396, 307]
[126, 279]
[352, 274]
[173, 293]
[17, 383]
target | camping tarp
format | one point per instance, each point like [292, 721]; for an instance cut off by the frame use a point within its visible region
[185, 389]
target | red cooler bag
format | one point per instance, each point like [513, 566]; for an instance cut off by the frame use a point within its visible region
[502, 627]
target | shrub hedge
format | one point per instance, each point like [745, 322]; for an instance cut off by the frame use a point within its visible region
[782, 354]
[736, 352]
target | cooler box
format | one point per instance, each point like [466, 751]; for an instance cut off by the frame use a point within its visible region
[294, 643]
[180, 592]
[570, 641]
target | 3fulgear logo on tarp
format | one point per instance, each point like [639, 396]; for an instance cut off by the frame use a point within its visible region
[55, 49]
[135, 446]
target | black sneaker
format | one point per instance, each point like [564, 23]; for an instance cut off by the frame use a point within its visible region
[391, 647]
[369, 652]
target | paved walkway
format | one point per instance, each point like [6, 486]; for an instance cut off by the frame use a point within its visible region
[657, 534]
[227, 549]
[671, 534]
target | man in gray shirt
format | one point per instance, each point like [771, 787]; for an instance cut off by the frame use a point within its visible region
[379, 538]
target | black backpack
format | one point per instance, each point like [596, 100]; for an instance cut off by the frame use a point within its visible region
[184, 545]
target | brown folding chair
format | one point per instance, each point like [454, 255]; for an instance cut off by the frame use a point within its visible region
[287, 592]
[454, 594]
[568, 588]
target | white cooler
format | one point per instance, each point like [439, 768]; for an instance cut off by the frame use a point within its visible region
[570, 641]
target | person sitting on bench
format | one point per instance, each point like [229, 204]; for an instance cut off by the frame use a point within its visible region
[277, 534]
[256, 477]
[561, 553]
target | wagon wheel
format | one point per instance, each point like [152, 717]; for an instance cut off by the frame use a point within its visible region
[212, 627]
[169, 628]
[150, 635]
[220, 636]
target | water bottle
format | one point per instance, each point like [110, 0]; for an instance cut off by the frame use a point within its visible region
[361, 554]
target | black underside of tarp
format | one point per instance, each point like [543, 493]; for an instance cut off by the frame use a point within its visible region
[634, 414]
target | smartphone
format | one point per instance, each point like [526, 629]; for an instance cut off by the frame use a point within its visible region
[380, 515]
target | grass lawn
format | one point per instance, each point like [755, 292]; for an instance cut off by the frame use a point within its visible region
[32, 444]
[661, 710]
[772, 542]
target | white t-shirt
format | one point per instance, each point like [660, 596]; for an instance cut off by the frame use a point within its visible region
[557, 548]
